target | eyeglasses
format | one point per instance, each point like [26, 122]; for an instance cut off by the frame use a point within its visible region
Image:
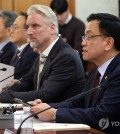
[88, 38]
[14, 27]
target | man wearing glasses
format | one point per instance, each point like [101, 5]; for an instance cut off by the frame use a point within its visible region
[25, 55]
[100, 107]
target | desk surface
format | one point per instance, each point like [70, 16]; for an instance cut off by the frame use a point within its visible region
[55, 128]
[40, 127]
[91, 131]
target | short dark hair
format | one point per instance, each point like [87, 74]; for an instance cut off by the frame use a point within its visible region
[59, 6]
[8, 16]
[24, 14]
[109, 25]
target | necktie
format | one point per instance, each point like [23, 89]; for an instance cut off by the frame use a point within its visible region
[17, 52]
[95, 84]
[15, 55]
[41, 65]
[96, 79]
[42, 62]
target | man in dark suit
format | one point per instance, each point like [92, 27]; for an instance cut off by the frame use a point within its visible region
[7, 48]
[59, 71]
[24, 59]
[98, 108]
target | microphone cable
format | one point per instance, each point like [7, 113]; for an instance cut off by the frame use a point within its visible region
[57, 104]
[19, 128]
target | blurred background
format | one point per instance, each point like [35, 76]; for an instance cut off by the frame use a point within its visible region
[78, 8]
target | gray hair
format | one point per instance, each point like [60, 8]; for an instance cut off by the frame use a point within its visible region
[46, 11]
[8, 16]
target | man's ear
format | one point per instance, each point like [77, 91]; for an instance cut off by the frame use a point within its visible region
[52, 28]
[109, 43]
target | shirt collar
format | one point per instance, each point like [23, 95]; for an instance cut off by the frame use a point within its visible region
[47, 51]
[68, 19]
[22, 47]
[2, 45]
[103, 68]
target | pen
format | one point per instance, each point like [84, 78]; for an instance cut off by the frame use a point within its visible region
[22, 102]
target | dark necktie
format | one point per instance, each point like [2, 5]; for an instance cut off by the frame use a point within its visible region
[15, 55]
[96, 79]
[95, 84]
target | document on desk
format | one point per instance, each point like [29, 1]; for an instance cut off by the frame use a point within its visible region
[51, 126]
[5, 72]
[40, 126]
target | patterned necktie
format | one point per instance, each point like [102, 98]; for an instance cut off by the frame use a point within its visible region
[15, 55]
[42, 62]
[41, 65]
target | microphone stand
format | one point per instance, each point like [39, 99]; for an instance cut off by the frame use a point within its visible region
[7, 78]
[25, 76]
[15, 73]
[19, 129]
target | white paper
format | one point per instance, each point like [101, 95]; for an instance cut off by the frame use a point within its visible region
[8, 132]
[40, 126]
[5, 74]
[48, 126]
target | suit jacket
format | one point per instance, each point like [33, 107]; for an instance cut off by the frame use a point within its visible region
[62, 77]
[105, 106]
[24, 61]
[6, 54]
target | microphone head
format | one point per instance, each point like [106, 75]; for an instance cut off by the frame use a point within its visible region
[3, 69]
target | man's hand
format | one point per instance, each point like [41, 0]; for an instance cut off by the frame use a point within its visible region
[12, 82]
[47, 115]
[35, 102]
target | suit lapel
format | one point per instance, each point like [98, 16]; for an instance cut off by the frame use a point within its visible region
[106, 77]
[90, 86]
[17, 60]
[51, 56]
[4, 50]
[46, 66]
[1, 52]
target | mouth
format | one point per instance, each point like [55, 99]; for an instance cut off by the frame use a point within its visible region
[83, 50]
[11, 36]
[32, 39]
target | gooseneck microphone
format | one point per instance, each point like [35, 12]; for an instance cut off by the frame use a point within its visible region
[3, 69]
[21, 70]
[23, 78]
[57, 104]
[19, 129]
